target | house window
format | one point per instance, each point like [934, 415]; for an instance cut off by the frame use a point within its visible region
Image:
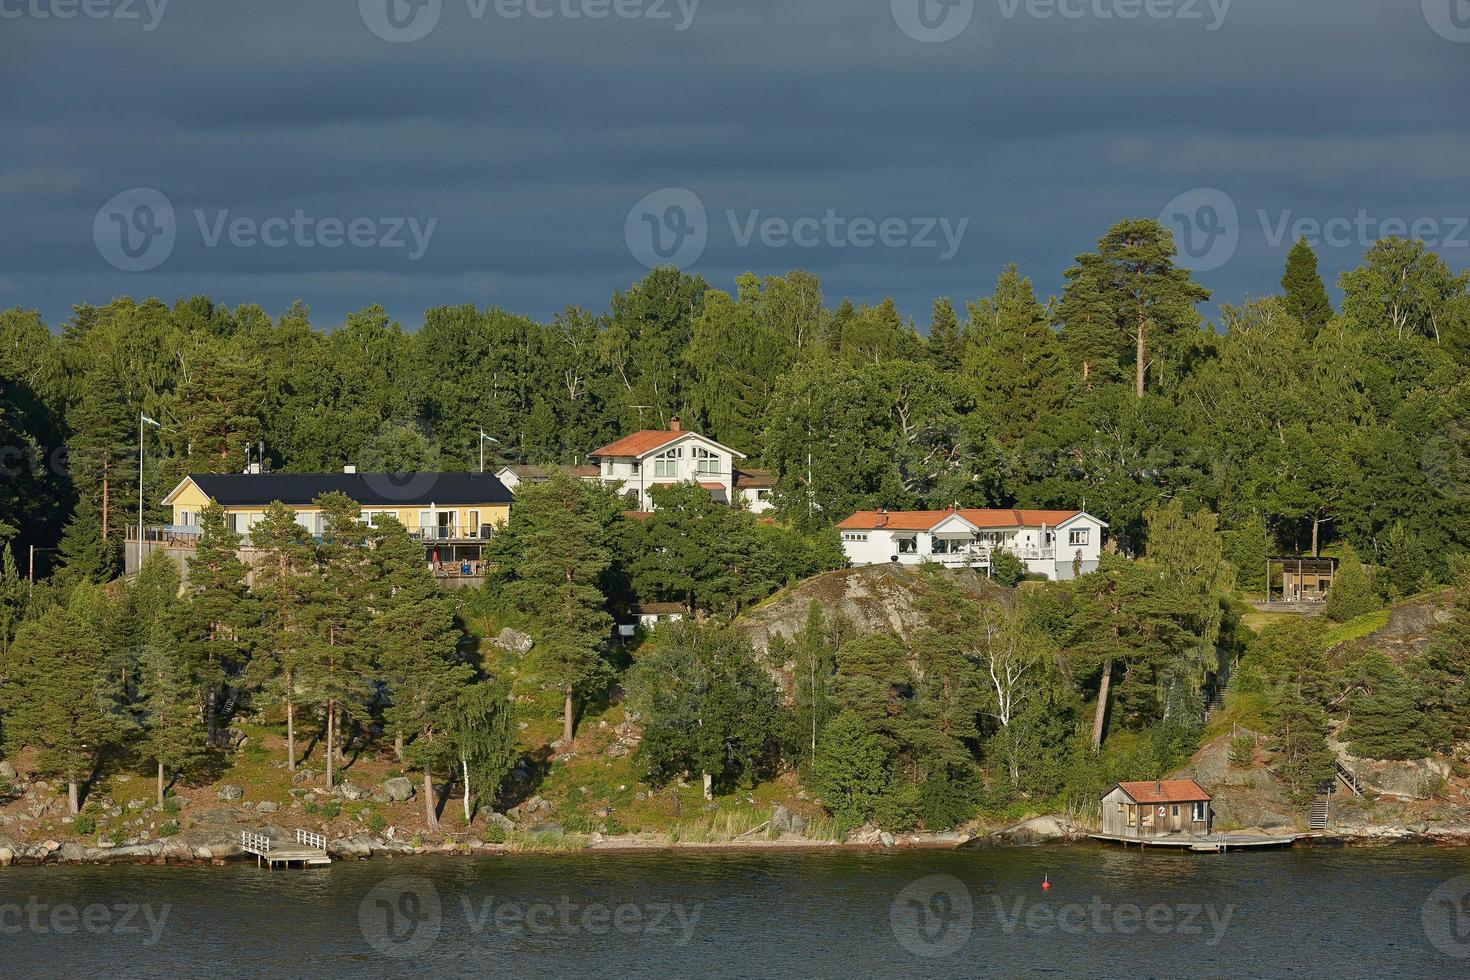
[186, 519]
[706, 463]
[1132, 816]
[908, 546]
[1174, 812]
[1199, 813]
[666, 463]
[992, 539]
[763, 495]
[854, 535]
[607, 465]
[635, 466]
[1078, 536]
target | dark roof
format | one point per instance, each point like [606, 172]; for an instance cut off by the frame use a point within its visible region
[368, 489]
[754, 479]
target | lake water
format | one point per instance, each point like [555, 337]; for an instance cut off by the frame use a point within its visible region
[1399, 912]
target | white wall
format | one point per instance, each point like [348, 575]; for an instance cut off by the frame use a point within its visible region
[640, 475]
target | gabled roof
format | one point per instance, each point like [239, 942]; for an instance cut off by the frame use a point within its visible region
[640, 444]
[924, 520]
[1164, 791]
[368, 489]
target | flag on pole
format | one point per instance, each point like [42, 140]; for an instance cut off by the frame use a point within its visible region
[150, 421]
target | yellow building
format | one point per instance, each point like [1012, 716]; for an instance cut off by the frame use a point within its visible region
[453, 514]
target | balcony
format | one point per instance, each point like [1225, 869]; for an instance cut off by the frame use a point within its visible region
[452, 533]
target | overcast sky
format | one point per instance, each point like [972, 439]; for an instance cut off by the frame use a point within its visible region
[270, 150]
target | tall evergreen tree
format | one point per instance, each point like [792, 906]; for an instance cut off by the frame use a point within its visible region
[172, 734]
[59, 699]
[1351, 593]
[282, 589]
[1306, 296]
[563, 556]
[220, 614]
[1013, 357]
[946, 346]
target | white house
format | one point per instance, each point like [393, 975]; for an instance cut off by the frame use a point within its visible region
[655, 457]
[1059, 544]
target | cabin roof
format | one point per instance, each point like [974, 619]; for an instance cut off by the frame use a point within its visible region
[1164, 791]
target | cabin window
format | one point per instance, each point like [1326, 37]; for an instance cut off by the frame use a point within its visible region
[854, 535]
[908, 546]
[1132, 816]
[186, 519]
[1078, 536]
[1175, 811]
[1199, 812]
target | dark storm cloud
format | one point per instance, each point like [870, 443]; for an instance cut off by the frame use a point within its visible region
[526, 141]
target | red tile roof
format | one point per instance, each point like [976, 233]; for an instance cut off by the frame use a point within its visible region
[923, 520]
[713, 486]
[639, 442]
[1165, 791]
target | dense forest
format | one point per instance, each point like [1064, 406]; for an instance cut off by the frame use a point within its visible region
[1289, 426]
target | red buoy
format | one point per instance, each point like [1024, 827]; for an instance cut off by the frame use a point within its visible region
[1046, 883]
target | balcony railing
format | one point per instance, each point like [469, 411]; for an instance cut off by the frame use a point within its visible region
[452, 533]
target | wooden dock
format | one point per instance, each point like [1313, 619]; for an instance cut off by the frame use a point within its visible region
[308, 849]
[1220, 843]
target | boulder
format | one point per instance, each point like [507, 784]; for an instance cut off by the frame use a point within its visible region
[7, 772]
[359, 846]
[784, 821]
[1037, 830]
[885, 838]
[866, 834]
[390, 847]
[72, 851]
[268, 807]
[1413, 779]
[7, 856]
[350, 791]
[515, 641]
[500, 820]
[398, 789]
[228, 793]
[304, 776]
[548, 828]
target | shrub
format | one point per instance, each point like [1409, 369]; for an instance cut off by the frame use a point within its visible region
[375, 822]
[495, 834]
[578, 824]
[117, 835]
[85, 823]
[614, 827]
[172, 805]
[1005, 568]
[168, 829]
[1243, 751]
[948, 798]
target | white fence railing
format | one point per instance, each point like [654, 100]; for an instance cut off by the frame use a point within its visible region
[311, 840]
[255, 843]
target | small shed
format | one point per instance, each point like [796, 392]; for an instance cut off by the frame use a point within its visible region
[1294, 580]
[1155, 808]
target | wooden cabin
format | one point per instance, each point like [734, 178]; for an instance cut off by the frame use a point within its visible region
[1156, 808]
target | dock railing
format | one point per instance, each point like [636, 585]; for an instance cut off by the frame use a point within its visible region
[311, 840]
[257, 844]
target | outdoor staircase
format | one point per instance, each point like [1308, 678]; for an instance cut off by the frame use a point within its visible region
[1348, 779]
[1321, 810]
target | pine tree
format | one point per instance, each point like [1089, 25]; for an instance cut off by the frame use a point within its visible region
[335, 663]
[13, 594]
[851, 771]
[1351, 593]
[1446, 681]
[413, 638]
[814, 666]
[558, 572]
[1386, 719]
[1306, 297]
[172, 734]
[1303, 759]
[86, 556]
[220, 614]
[1014, 359]
[282, 589]
[1405, 562]
[946, 347]
[59, 700]
[1131, 296]
[217, 407]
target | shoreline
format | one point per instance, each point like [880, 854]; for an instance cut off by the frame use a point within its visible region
[42, 854]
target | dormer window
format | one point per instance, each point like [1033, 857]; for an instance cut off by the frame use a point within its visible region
[666, 463]
[706, 463]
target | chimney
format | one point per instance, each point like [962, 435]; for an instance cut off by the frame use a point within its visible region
[349, 468]
[1159, 787]
[674, 424]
